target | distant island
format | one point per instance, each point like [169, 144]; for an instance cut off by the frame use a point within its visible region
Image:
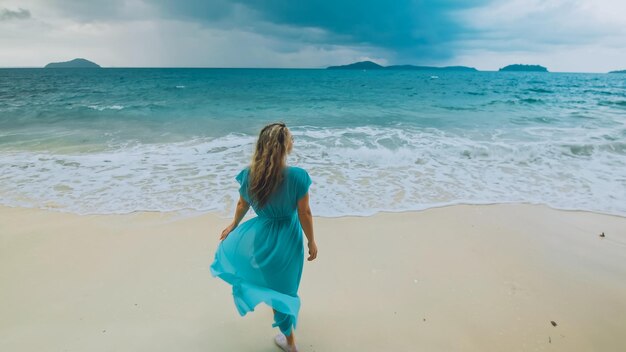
[76, 63]
[620, 71]
[363, 65]
[369, 65]
[524, 68]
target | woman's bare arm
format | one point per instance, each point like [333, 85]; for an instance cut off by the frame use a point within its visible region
[240, 212]
[306, 220]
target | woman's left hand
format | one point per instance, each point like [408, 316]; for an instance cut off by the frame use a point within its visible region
[227, 231]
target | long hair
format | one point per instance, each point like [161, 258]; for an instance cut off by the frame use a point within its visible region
[268, 162]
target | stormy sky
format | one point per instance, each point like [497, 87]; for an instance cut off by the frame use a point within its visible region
[563, 35]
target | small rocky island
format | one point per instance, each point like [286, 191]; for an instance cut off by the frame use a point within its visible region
[362, 65]
[369, 65]
[76, 63]
[523, 68]
[620, 71]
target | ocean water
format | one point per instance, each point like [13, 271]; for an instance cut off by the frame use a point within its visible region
[124, 140]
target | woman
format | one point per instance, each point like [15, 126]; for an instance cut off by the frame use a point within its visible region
[262, 258]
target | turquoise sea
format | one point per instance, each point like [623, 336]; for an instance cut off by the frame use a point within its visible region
[123, 140]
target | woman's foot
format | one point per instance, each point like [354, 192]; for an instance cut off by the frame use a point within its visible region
[281, 341]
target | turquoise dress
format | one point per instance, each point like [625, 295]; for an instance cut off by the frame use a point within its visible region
[263, 257]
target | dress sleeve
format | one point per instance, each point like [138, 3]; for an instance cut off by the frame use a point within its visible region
[242, 178]
[303, 181]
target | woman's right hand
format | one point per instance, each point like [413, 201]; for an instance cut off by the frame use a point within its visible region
[226, 231]
[312, 251]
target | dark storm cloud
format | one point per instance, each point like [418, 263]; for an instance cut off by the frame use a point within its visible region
[412, 29]
[20, 14]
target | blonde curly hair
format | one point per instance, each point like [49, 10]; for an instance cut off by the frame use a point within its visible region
[268, 161]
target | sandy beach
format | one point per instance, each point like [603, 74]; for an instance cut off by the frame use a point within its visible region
[511, 277]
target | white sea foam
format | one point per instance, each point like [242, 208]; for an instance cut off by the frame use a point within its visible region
[356, 171]
[105, 107]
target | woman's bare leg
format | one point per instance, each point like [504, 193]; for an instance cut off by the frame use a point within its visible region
[291, 339]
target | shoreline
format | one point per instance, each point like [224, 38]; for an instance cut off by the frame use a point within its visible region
[471, 278]
[187, 212]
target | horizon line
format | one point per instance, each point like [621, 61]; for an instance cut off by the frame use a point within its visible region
[269, 68]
